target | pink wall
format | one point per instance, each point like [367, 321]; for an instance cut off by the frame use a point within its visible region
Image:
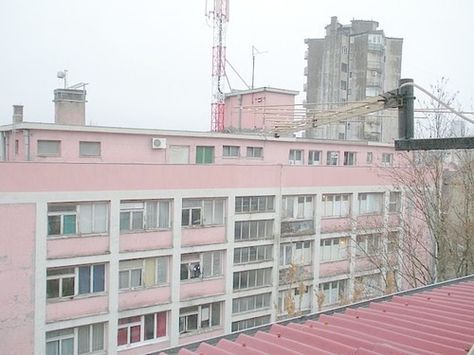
[253, 118]
[369, 221]
[330, 225]
[188, 339]
[105, 177]
[146, 349]
[333, 268]
[146, 241]
[366, 263]
[17, 248]
[202, 235]
[78, 307]
[394, 219]
[77, 246]
[202, 287]
[144, 297]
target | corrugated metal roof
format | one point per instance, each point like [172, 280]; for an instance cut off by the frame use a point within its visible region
[436, 321]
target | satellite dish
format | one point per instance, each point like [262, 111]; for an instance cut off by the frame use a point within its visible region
[61, 74]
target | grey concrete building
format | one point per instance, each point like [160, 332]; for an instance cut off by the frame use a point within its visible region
[350, 63]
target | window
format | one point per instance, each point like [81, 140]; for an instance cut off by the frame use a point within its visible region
[147, 272]
[370, 203]
[370, 157]
[178, 154]
[251, 230]
[204, 155]
[344, 65]
[343, 85]
[298, 253]
[296, 157]
[314, 157]
[387, 159]
[336, 205]
[333, 291]
[137, 329]
[333, 249]
[199, 317]
[230, 151]
[254, 152]
[83, 218]
[294, 299]
[246, 204]
[202, 212]
[252, 278]
[130, 274]
[251, 303]
[89, 338]
[297, 207]
[72, 281]
[89, 149]
[369, 286]
[368, 244]
[350, 158]
[194, 266]
[144, 215]
[250, 323]
[393, 240]
[394, 202]
[253, 254]
[49, 148]
[332, 158]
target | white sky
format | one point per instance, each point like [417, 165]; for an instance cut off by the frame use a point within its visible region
[148, 62]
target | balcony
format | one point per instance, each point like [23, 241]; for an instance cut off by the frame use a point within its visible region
[295, 274]
[67, 247]
[75, 308]
[144, 297]
[197, 288]
[203, 235]
[146, 241]
[299, 227]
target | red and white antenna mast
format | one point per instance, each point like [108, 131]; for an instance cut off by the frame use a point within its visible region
[220, 17]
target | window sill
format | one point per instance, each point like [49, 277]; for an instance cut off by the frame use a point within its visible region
[250, 311]
[76, 297]
[201, 279]
[230, 157]
[200, 331]
[144, 231]
[370, 214]
[333, 261]
[142, 343]
[74, 236]
[199, 226]
[335, 217]
[142, 288]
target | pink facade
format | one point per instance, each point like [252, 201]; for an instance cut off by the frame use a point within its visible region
[248, 109]
[112, 233]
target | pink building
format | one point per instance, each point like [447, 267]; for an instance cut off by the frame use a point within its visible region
[129, 241]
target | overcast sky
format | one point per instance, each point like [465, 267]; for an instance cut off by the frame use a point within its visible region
[148, 62]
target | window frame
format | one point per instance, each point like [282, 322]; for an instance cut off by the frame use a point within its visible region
[332, 158]
[293, 157]
[205, 150]
[265, 276]
[244, 230]
[394, 202]
[200, 205]
[337, 207]
[215, 309]
[329, 252]
[144, 209]
[387, 159]
[266, 251]
[74, 334]
[311, 156]
[306, 256]
[129, 270]
[231, 149]
[350, 158]
[338, 285]
[43, 154]
[254, 204]
[253, 150]
[365, 208]
[84, 143]
[140, 322]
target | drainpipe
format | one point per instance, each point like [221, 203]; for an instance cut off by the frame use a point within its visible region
[240, 112]
[26, 144]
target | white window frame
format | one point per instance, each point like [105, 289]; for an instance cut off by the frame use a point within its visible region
[192, 259]
[350, 158]
[332, 158]
[251, 303]
[368, 244]
[262, 253]
[369, 158]
[254, 204]
[142, 206]
[73, 333]
[298, 207]
[141, 324]
[133, 267]
[296, 157]
[395, 201]
[202, 206]
[255, 152]
[263, 275]
[83, 144]
[46, 154]
[76, 280]
[333, 291]
[312, 154]
[387, 159]
[336, 205]
[333, 249]
[202, 316]
[289, 253]
[250, 323]
[370, 203]
[253, 230]
[231, 151]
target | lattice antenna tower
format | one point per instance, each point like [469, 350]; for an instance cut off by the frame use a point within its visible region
[220, 17]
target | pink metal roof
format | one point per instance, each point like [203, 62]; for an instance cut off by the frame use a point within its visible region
[437, 321]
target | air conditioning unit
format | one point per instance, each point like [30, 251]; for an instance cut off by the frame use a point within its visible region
[158, 143]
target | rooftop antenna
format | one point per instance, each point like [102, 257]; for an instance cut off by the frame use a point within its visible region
[63, 75]
[255, 52]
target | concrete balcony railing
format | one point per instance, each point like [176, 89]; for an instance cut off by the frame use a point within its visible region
[299, 227]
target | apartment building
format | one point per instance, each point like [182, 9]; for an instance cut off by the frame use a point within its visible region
[350, 63]
[131, 241]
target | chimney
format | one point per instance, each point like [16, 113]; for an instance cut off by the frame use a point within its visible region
[17, 114]
[70, 106]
